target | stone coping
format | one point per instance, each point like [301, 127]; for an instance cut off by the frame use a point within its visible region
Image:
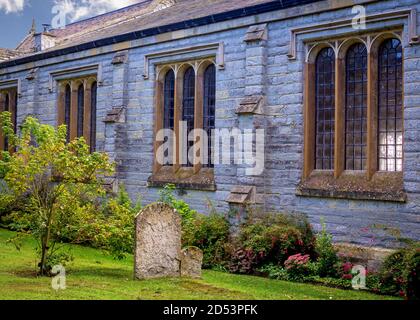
[184, 178]
[384, 186]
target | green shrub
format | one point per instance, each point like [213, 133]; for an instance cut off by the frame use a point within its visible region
[183, 208]
[123, 199]
[273, 271]
[373, 283]
[400, 273]
[298, 267]
[210, 234]
[10, 204]
[328, 261]
[6, 203]
[108, 226]
[13, 212]
[272, 238]
[280, 273]
[330, 282]
[243, 261]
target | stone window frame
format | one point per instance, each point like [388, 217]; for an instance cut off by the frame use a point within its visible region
[369, 184]
[196, 177]
[89, 129]
[9, 95]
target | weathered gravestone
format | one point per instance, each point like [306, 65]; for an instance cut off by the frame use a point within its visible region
[158, 242]
[191, 262]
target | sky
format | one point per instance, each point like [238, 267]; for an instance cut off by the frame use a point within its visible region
[16, 15]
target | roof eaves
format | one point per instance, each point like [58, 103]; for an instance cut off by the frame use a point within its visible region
[219, 17]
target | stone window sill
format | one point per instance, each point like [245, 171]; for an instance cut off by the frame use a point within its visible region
[384, 186]
[184, 179]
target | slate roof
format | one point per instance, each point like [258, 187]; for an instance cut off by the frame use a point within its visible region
[7, 54]
[145, 19]
[142, 20]
[88, 26]
[137, 17]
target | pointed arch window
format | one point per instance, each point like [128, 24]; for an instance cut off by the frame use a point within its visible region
[390, 106]
[325, 109]
[209, 109]
[185, 102]
[77, 108]
[356, 108]
[353, 131]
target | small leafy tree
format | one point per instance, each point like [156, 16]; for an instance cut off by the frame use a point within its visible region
[328, 260]
[167, 196]
[48, 172]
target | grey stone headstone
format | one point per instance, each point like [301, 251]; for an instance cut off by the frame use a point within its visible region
[191, 262]
[158, 242]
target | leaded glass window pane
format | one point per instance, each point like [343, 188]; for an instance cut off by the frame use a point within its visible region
[209, 108]
[189, 104]
[356, 107]
[390, 106]
[325, 109]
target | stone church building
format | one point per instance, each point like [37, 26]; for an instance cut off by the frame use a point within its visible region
[336, 93]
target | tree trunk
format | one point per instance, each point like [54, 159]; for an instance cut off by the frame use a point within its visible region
[44, 251]
[45, 246]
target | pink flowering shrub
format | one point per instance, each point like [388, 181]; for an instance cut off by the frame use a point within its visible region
[267, 238]
[297, 266]
[347, 267]
[346, 271]
[296, 261]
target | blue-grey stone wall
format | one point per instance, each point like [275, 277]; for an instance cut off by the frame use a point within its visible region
[249, 69]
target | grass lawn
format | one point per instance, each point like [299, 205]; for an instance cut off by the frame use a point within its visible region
[94, 275]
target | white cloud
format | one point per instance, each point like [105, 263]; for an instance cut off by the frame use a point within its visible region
[11, 6]
[80, 9]
[73, 9]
